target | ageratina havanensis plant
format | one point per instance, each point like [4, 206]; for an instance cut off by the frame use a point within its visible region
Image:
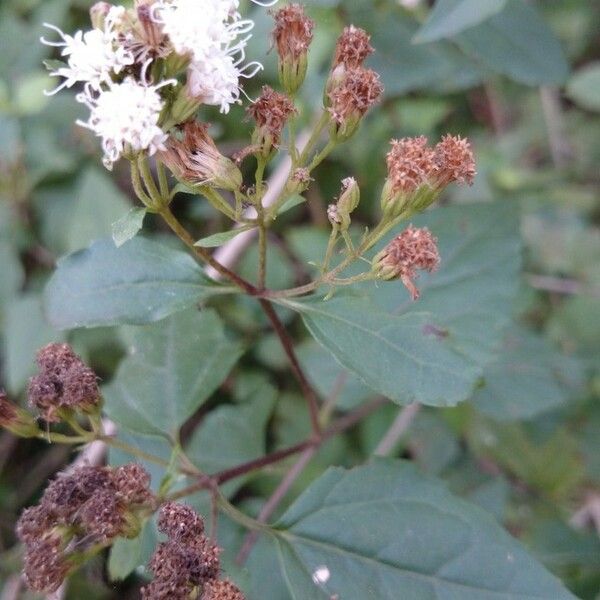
[143, 72]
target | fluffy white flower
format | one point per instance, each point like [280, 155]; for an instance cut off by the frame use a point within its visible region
[125, 116]
[93, 56]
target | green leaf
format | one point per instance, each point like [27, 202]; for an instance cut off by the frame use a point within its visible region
[125, 557]
[218, 239]
[172, 368]
[433, 351]
[26, 331]
[384, 527]
[518, 43]
[233, 434]
[449, 17]
[128, 225]
[138, 283]
[99, 204]
[527, 378]
[12, 271]
[584, 87]
[290, 203]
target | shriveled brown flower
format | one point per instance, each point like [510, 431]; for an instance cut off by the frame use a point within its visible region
[45, 564]
[132, 484]
[352, 47]
[166, 589]
[222, 590]
[179, 521]
[102, 516]
[64, 381]
[271, 110]
[415, 248]
[197, 160]
[358, 90]
[454, 161]
[410, 163]
[293, 31]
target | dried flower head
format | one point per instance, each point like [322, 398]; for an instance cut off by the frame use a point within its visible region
[410, 163]
[180, 522]
[132, 483]
[271, 110]
[358, 90]
[221, 590]
[45, 565]
[102, 516]
[293, 31]
[64, 381]
[415, 248]
[197, 160]
[352, 47]
[454, 161]
[15, 419]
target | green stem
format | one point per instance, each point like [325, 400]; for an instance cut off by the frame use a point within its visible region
[137, 185]
[148, 179]
[333, 236]
[119, 445]
[322, 155]
[218, 202]
[162, 180]
[314, 137]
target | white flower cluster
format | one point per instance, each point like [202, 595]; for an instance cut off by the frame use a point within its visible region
[125, 106]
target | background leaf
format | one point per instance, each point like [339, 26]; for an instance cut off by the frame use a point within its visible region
[385, 527]
[140, 282]
[128, 225]
[172, 368]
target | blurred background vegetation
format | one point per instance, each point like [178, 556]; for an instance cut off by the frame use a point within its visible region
[522, 81]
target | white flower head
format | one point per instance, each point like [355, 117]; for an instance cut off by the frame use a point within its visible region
[92, 57]
[125, 116]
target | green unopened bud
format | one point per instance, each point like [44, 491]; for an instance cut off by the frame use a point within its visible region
[298, 182]
[184, 107]
[16, 420]
[292, 73]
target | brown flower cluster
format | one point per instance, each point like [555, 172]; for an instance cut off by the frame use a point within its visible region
[352, 47]
[197, 160]
[293, 32]
[415, 248]
[454, 161]
[271, 110]
[79, 511]
[187, 565]
[64, 382]
[356, 92]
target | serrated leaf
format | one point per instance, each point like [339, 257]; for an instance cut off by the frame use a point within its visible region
[128, 225]
[138, 283]
[432, 351]
[449, 17]
[384, 528]
[172, 368]
[218, 239]
[233, 434]
[518, 43]
[527, 378]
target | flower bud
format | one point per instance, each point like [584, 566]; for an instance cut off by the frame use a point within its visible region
[339, 213]
[415, 248]
[349, 100]
[298, 182]
[270, 111]
[16, 420]
[196, 160]
[292, 37]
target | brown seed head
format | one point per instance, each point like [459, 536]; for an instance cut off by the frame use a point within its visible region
[293, 32]
[63, 381]
[166, 589]
[202, 558]
[352, 47]
[415, 248]
[221, 590]
[271, 111]
[33, 523]
[454, 161]
[44, 564]
[197, 159]
[410, 163]
[358, 90]
[180, 522]
[132, 483]
[102, 516]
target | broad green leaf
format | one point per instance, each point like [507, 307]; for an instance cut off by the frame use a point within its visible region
[125, 556]
[25, 332]
[432, 351]
[12, 271]
[233, 434]
[128, 225]
[172, 368]
[528, 377]
[99, 204]
[584, 87]
[405, 67]
[140, 282]
[384, 530]
[218, 239]
[518, 43]
[449, 17]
